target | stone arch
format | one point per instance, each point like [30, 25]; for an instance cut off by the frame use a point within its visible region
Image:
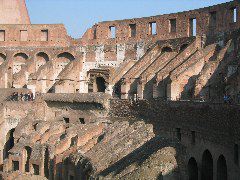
[207, 166]
[167, 49]
[41, 59]
[19, 60]
[222, 168]
[66, 56]
[192, 169]
[28, 153]
[63, 59]
[183, 47]
[3, 58]
[100, 84]
[9, 143]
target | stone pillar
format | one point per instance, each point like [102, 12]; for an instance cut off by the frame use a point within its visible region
[140, 89]
[173, 91]
[155, 90]
[125, 87]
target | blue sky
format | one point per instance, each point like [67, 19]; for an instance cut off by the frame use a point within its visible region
[78, 15]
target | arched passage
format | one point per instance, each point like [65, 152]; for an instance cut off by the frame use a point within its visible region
[166, 49]
[101, 84]
[19, 60]
[221, 168]
[207, 166]
[28, 152]
[9, 143]
[2, 58]
[192, 169]
[63, 59]
[41, 59]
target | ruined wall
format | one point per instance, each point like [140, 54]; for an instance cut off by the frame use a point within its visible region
[13, 12]
[198, 126]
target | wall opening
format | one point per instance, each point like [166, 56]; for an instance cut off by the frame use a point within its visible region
[66, 120]
[19, 60]
[193, 27]
[2, 35]
[221, 168]
[101, 84]
[173, 26]
[15, 165]
[95, 33]
[112, 30]
[166, 49]
[82, 120]
[28, 151]
[35, 169]
[46, 163]
[236, 154]
[179, 136]
[41, 59]
[193, 137]
[9, 143]
[183, 47]
[207, 166]
[44, 35]
[74, 141]
[23, 35]
[152, 28]
[133, 30]
[192, 169]
[213, 19]
[233, 12]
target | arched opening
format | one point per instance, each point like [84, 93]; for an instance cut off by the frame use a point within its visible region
[166, 49]
[207, 166]
[9, 143]
[183, 47]
[62, 60]
[221, 168]
[19, 60]
[41, 59]
[2, 58]
[46, 163]
[192, 169]
[101, 86]
[28, 156]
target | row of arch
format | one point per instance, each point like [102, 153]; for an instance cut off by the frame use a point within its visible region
[42, 55]
[207, 168]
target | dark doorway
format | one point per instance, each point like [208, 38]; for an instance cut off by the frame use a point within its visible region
[101, 87]
[28, 153]
[221, 168]
[192, 169]
[15, 165]
[9, 143]
[81, 120]
[36, 169]
[66, 120]
[207, 166]
[46, 163]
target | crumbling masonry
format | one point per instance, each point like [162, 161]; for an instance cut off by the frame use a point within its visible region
[131, 99]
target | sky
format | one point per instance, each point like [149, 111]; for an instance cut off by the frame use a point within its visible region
[79, 15]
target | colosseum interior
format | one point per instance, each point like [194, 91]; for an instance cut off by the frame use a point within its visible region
[141, 99]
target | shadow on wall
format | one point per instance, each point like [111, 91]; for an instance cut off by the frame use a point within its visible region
[161, 166]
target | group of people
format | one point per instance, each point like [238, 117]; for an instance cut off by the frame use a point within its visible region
[22, 96]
